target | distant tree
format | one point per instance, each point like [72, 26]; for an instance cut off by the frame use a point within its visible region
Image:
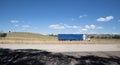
[9, 31]
[92, 37]
[53, 35]
[116, 36]
[3, 34]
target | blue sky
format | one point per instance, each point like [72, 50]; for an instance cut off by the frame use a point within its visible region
[60, 16]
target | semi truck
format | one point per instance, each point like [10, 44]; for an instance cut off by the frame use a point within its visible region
[71, 37]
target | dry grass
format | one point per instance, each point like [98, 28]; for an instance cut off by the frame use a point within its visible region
[55, 41]
[31, 38]
[27, 36]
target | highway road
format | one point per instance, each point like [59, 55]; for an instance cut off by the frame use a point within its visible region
[65, 47]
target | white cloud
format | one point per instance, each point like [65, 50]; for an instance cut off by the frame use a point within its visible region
[90, 26]
[99, 27]
[14, 21]
[87, 26]
[76, 26]
[89, 29]
[16, 25]
[115, 33]
[63, 26]
[93, 27]
[102, 19]
[80, 30]
[118, 20]
[25, 26]
[81, 16]
[56, 26]
[71, 26]
[84, 30]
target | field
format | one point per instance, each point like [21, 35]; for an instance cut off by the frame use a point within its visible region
[32, 38]
[21, 48]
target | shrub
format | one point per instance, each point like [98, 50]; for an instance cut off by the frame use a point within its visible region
[3, 34]
[116, 36]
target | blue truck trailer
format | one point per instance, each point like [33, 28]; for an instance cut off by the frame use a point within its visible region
[63, 37]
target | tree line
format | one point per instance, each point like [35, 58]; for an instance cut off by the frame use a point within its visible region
[3, 34]
[105, 36]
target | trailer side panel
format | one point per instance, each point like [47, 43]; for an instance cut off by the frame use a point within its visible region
[70, 36]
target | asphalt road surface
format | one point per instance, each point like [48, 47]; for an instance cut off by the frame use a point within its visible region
[65, 47]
